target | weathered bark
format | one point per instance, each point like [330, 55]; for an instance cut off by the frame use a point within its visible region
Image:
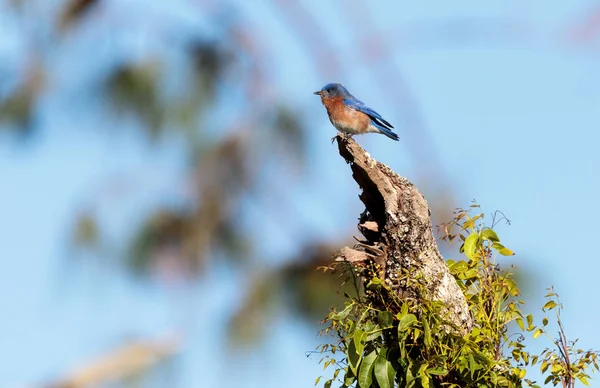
[397, 224]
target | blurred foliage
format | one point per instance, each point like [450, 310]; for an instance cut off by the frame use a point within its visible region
[86, 231]
[74, 10]
[209, 60]
[234, 131]
[17, 110]
[290, 131]
[133, 89]
[206, 228]
[296, 286]
[226, 156]
[383, 340]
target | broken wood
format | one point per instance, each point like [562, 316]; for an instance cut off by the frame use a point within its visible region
[397, 223]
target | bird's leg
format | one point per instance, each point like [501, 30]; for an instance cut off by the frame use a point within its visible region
[345, 136]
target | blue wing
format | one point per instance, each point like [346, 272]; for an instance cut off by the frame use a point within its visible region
[374, 116]
[376, 119]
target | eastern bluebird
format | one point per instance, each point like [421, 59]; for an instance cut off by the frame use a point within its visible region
[350, 115]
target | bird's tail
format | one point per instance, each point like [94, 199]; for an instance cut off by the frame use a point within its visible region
[388, 132]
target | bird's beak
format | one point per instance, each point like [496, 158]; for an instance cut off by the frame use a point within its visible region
[320, 93]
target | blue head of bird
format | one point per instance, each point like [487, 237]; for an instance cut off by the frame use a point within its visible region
[333, 90]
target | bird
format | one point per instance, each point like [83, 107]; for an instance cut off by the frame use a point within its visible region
[351, 116]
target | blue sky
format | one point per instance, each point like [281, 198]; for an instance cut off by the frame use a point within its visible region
[511, 106]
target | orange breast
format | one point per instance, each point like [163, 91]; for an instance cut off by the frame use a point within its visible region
[346, 119]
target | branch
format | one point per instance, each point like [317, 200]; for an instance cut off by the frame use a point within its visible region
[397, 224]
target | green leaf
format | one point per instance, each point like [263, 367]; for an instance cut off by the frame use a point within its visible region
[529, 319]
[489, 234]
[459, 266]
[375, 284]
[545, 321]
[438, 371]
[407, 321]
[365, 372]
[426, 332]
[328, 383]
[468, 224]
[344, 313]
[385, 319]
[534, 360]
[359, 341]
[549, 305]
[497, 246]
[583, 380]
[384, 372]
[470, 274]
[317, 380]
[537, 333]
[482, 359]
[471, 245]
[472, 366]
[353, 356]
[520, 323]
[425, 380]
[502, 250]
[404, 309]
[373, 333]
[471, 223]
[349, 378]
[409, 377]
[416, 333]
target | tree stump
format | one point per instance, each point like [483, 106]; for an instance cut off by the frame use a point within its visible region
[397, 224]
